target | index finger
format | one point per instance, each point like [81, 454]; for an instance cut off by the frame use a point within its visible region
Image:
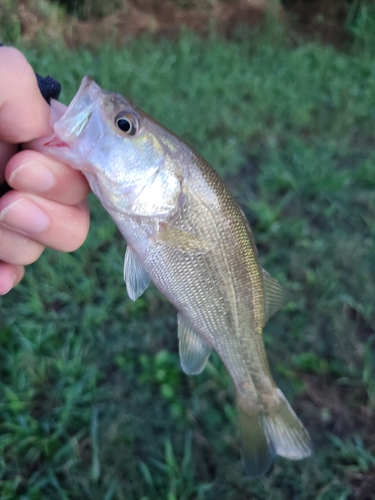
[24, 114]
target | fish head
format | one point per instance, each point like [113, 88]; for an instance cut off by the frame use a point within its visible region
[117, 146]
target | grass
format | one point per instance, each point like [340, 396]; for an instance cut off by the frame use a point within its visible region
[93, 404]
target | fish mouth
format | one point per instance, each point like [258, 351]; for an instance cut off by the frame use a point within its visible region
[76, 118]
[88, 92]
[55, 142]
[64, 142]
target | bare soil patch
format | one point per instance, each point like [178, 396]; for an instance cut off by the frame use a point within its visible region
[323, 19]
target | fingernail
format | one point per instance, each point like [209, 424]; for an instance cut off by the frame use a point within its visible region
[33, 177]
[24, 215]
[13, 278]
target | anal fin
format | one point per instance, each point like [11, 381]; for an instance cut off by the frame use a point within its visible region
[194, 352]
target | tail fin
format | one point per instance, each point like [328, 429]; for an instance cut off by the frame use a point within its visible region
[265, 435]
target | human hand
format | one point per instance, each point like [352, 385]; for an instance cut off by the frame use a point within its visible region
[47, 205]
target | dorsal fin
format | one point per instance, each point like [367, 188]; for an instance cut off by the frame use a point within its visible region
[194, 351]
[274, 295]
[136, 278]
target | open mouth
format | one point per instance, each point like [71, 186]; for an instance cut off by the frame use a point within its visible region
[55, 142]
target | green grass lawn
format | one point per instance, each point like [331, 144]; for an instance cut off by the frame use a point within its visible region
[93, 403]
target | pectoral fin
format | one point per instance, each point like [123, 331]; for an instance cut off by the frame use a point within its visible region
[194, 351]
[182, 240]
[274, 295]
[136, 278]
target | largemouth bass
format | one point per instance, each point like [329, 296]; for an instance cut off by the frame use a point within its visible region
[185, 232]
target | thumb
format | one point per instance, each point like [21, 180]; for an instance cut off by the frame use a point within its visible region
[24, 114]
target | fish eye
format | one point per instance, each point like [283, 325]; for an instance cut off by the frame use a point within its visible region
[127, 123]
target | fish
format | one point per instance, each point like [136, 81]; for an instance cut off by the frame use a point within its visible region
[186, 233]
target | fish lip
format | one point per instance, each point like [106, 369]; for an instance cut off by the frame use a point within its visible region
[76, 117]
[55, 142]
[87, 86]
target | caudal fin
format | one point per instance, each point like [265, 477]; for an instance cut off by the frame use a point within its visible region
[265, 435]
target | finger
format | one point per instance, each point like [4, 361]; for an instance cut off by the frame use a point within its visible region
[18, 249]
[52, 224]
[24, 114]
[33, 172]
[6, 152]
[10, 276]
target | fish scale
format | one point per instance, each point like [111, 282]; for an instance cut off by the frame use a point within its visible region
[187, 234]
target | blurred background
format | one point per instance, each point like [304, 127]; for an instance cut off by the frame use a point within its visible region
[280, 98]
